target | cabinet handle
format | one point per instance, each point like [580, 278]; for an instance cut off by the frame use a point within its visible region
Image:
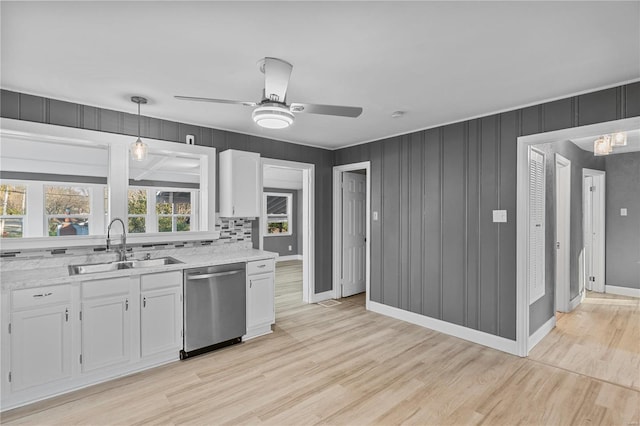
[66, 315]
[144, 302]
[262, 266]
[233, 210]
[42, 295]
[126, 304]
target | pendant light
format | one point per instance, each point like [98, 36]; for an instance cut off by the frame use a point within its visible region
[139, 149]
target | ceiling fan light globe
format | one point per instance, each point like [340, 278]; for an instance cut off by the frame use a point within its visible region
[273, 116]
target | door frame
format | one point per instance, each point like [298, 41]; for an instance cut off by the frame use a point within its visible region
[563, 191]
[337, 227]
[522, 208]
[599, 204]
[308, 221]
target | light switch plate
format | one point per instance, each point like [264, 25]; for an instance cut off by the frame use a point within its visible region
[191, 139]
[499, 216]
[623, 212]
[375, 215]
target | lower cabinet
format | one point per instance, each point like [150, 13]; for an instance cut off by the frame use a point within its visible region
[64, 337]
[260, 297]
[40, 337]
[160, 313]
[40, 346]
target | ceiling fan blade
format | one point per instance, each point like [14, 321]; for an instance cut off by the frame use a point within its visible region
[341, 111]
[276, 79]
[217, 101]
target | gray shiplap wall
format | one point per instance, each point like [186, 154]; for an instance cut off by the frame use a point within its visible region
[435, 250]
[623, 232]
[26, 107]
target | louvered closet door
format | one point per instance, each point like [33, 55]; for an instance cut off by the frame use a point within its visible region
[536, 224]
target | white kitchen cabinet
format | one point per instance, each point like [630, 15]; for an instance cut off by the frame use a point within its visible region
[240, 183]
[160, 313]
[261, 312]
[40, 345]
[105, 323]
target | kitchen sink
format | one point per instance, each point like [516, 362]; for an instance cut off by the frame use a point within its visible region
[94, 268]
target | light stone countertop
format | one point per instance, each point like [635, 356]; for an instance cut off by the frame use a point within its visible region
[29, 273]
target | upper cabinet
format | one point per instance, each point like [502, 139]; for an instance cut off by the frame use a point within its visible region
[240, 184]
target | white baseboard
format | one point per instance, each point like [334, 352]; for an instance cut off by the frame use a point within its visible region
[290, 257]
[576, 301]
[475, 336]
[622, 291]
[320, 297]
[539, 334]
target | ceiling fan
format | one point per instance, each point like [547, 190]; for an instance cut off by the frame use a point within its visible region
[272, 111]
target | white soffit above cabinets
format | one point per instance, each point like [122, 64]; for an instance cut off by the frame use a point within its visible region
[441, 62]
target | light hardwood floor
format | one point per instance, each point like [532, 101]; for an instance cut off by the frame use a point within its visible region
[344, 365]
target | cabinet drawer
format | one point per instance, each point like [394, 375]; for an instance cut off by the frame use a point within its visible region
[160, 280]
[40, 296]
[260, 266]
[106, 287]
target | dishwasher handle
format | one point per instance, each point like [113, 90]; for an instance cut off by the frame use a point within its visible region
[216, 274]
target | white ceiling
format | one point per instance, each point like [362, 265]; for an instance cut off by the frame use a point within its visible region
[440, 62]
[633, 143]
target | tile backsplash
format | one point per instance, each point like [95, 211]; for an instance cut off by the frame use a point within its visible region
[229, 231]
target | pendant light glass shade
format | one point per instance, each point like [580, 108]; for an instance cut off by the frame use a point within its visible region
[602, 146]
[139, 149]
[619, 139]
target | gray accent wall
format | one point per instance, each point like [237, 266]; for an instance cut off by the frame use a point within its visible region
[26, 107]
[280, 243]
[623, 232]
[435, 250]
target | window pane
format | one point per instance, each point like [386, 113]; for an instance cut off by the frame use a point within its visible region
[183, 223]
[276, 204]
[278, 227]
[164, 224]
[66, 225]
[137, 201]
[11, 228]
[169, 202]
[66, 200]
[137, 225]
[14, 200]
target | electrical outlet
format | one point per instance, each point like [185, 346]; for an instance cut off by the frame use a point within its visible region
[191, 139]
[290, 248]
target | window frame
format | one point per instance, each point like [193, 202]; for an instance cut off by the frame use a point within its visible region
[151, 217]
[289, 214]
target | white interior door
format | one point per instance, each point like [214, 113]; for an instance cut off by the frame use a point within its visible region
[536, 224]
[563, 232]
[588, 230]
[354, 192]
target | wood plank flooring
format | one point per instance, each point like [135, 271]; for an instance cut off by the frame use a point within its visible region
[342, 365]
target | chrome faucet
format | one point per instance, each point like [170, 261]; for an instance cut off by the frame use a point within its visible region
[122, 253]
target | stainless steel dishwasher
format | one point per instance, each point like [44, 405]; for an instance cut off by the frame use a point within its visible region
[214, 308]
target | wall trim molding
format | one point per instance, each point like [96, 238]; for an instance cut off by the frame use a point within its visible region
[289, 257]
[321, 297]
[465, 333]
[622, 291]
[576, 301]
[541, 332]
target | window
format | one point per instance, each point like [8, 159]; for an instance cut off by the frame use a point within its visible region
[277, 213]
[161, 210]
[54, 209]
[14, 210]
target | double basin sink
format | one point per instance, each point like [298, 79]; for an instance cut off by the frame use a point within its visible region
[93, 268]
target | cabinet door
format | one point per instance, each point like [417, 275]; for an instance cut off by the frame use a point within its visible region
[160, 321]
[40, 346]
[106, 332]
[240, 184]
[260, 300]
